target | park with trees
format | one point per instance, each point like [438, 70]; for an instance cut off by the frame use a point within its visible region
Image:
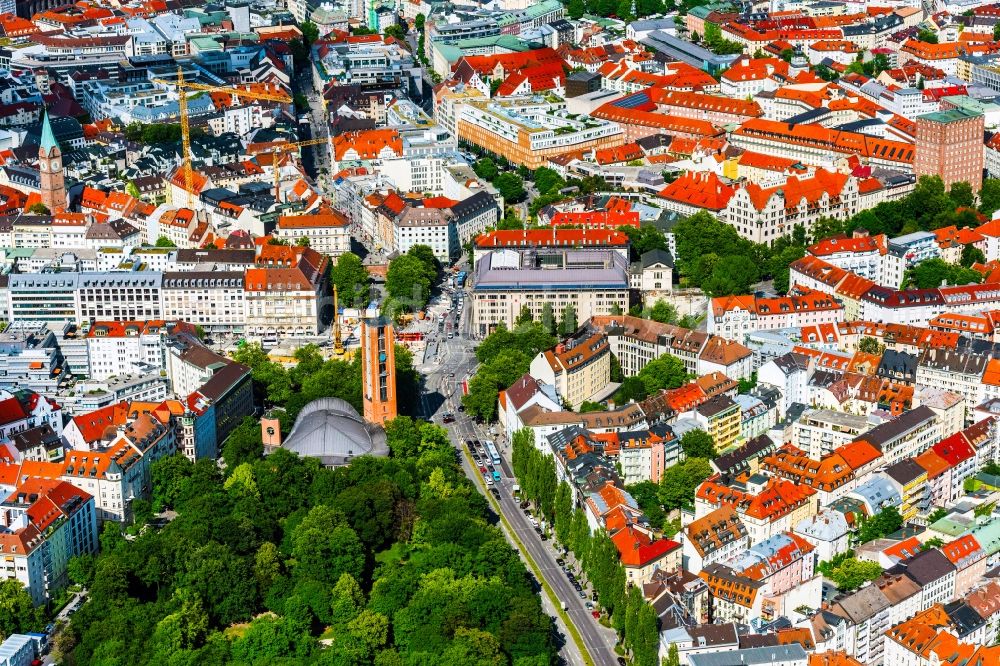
[278, 560]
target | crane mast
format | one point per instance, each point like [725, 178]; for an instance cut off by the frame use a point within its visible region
[338, 344]
[182, 103]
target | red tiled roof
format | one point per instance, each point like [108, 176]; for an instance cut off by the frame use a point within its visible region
[637, 549]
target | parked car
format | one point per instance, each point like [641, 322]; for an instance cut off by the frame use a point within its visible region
[482, 468]
[596, 614]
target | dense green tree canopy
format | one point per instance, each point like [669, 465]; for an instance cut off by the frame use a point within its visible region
[503, 357]
[351, 278]
[395, 558]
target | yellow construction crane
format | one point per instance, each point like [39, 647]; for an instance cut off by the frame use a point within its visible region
[183, 86]
[338, 344]
[286, 148]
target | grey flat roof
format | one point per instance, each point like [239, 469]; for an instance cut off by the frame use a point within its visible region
[750, 656]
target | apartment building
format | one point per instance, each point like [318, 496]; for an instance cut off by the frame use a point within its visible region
[910, 480]
[117, 348]
[955, 371]
[821, 431]
[579, 369]
[643, 455]
[867, 613]
[328, 232]
[735, 317]
[720, 417]
[716, 537]
[119, 296]
[43, 524]
[904, 436]
[214, 300]
[815, 144]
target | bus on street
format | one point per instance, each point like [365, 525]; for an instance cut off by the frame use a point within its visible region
[491, 450]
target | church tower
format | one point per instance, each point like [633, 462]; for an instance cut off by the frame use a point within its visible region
[50, 169]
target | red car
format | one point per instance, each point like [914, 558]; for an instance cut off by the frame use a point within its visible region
[596, 614]
[482, 469]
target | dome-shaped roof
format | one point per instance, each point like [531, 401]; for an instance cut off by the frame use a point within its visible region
[331, 430]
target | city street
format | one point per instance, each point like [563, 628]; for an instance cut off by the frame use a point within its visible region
[444, 374]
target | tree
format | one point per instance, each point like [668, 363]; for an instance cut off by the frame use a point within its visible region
[352, 280]
[870, 345]
[647, 495]
[961, 194]
[418, 22]
[18, 613]
[524, 317]
[81, 569]
[310, 32]
[548, 180]
[575, 8]
[163, 241]
[510, 185]
[347, 600]
[972, 255]
[663, 312]
[698, 444]
[486, 169]
[937, 515]
[395, 31]
[748, 384]
[633, 388]
[882, 524]
[933, 273]
[673, 657]
[624, 11]
[852, 573]
[989, 195]
[370, 628]
[324, 547]
[425, 254]
[38, 208]
[548, 318]
[643, 239]
[407, 282]
[568, 324]
[678, 483]
[244, 444]
[925, 35]
[665, 372]
[734, 274]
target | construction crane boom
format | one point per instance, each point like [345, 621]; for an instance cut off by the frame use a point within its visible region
[182, 103]
[181, 85]
[286, 148]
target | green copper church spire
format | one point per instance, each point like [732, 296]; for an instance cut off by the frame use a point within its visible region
[48, 137]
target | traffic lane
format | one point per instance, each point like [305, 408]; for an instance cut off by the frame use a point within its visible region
[597, 644]
[544, 557]
[569, 650]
